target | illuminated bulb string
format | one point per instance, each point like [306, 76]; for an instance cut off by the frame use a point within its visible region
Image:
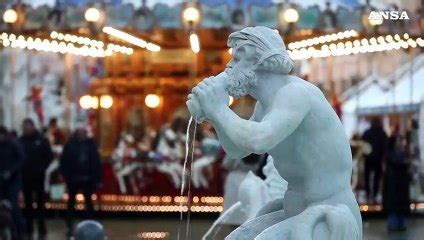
[92, 42]
[322, 39]
[365, 45]
[64, 43]
[153, 235]
[131, 39]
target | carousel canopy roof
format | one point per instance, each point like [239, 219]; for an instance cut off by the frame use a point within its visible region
[137, 3]
[161, 21]
[379, 97]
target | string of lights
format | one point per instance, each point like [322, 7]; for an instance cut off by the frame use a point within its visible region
[153, 235]
[131, 39]
[119, 49]
[379, 44]
[122, 203]
[322, 39]
[61, 44]
[92, 43]
[136, 208]
[76, 39]
[119, 207]
[150, 199]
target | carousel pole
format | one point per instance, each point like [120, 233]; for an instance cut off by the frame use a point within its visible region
[68, 91]
[411, 77]
[357, 93]
[12, 76]
[28, 85]
[14, 25]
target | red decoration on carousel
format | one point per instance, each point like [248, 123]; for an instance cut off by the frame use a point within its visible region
[337, 105]
[37, 102]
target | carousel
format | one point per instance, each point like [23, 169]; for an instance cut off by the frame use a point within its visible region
[125, 70]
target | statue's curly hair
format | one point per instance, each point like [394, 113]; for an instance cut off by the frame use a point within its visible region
[280, 63]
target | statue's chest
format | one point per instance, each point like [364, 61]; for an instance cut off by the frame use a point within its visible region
[285, 149]
[288, 158]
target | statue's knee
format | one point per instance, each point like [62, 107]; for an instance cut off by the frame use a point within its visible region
[321, 232]
[342, 223]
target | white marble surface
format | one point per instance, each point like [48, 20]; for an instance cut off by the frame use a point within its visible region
[253, 194]
[295, 124]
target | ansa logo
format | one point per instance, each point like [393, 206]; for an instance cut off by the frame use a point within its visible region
[388, 15]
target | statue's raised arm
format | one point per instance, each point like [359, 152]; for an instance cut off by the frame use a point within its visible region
[290, 105]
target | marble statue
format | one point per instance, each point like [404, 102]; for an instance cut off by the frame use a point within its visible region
[253, 194]
[294, 123]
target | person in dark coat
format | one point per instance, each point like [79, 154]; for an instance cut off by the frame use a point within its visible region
[376, 137]
[81, 168]
[38, 157]
[396, 184]
[11, 160]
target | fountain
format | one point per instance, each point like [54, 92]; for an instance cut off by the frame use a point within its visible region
[253, 194]
[292, 122]
[186, 181]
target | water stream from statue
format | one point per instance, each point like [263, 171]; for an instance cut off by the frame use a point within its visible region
[186, 181]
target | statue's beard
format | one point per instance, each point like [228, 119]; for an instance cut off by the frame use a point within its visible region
[240, 81]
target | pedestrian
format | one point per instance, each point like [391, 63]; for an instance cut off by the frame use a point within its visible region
[11, 160]
[376, 137]
[396, 184]
[38, 157]
[56, 138]
[81, 168]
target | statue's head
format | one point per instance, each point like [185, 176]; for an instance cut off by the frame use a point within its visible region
[255, 49]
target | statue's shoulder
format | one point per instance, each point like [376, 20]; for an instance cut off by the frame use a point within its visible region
[298, 85]
[295, 87]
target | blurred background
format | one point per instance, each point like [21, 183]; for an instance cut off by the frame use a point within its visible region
[92, 104]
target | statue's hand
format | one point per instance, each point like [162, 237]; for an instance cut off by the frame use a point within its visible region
[212, 97]
[194, 108]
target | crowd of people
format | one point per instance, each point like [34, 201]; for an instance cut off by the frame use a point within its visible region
[382, 170]
[25, 161]
[30, 162]
[39, 163]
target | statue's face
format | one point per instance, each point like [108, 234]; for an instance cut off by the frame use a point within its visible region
[241, 74]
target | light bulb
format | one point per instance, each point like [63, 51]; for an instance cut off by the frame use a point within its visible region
[230, 101]
[10, 16]
[152, 100]
[194, 43]
[106, 101]
[376, 22]
[92, 15]
[85, 102]
[191, 14]
[291, 15]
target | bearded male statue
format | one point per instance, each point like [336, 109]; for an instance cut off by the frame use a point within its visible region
[292, 122]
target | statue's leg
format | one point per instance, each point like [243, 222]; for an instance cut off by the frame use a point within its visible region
[251, 228]
[318, 222]
[280, 230]
[272, 206]
[342, 223]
